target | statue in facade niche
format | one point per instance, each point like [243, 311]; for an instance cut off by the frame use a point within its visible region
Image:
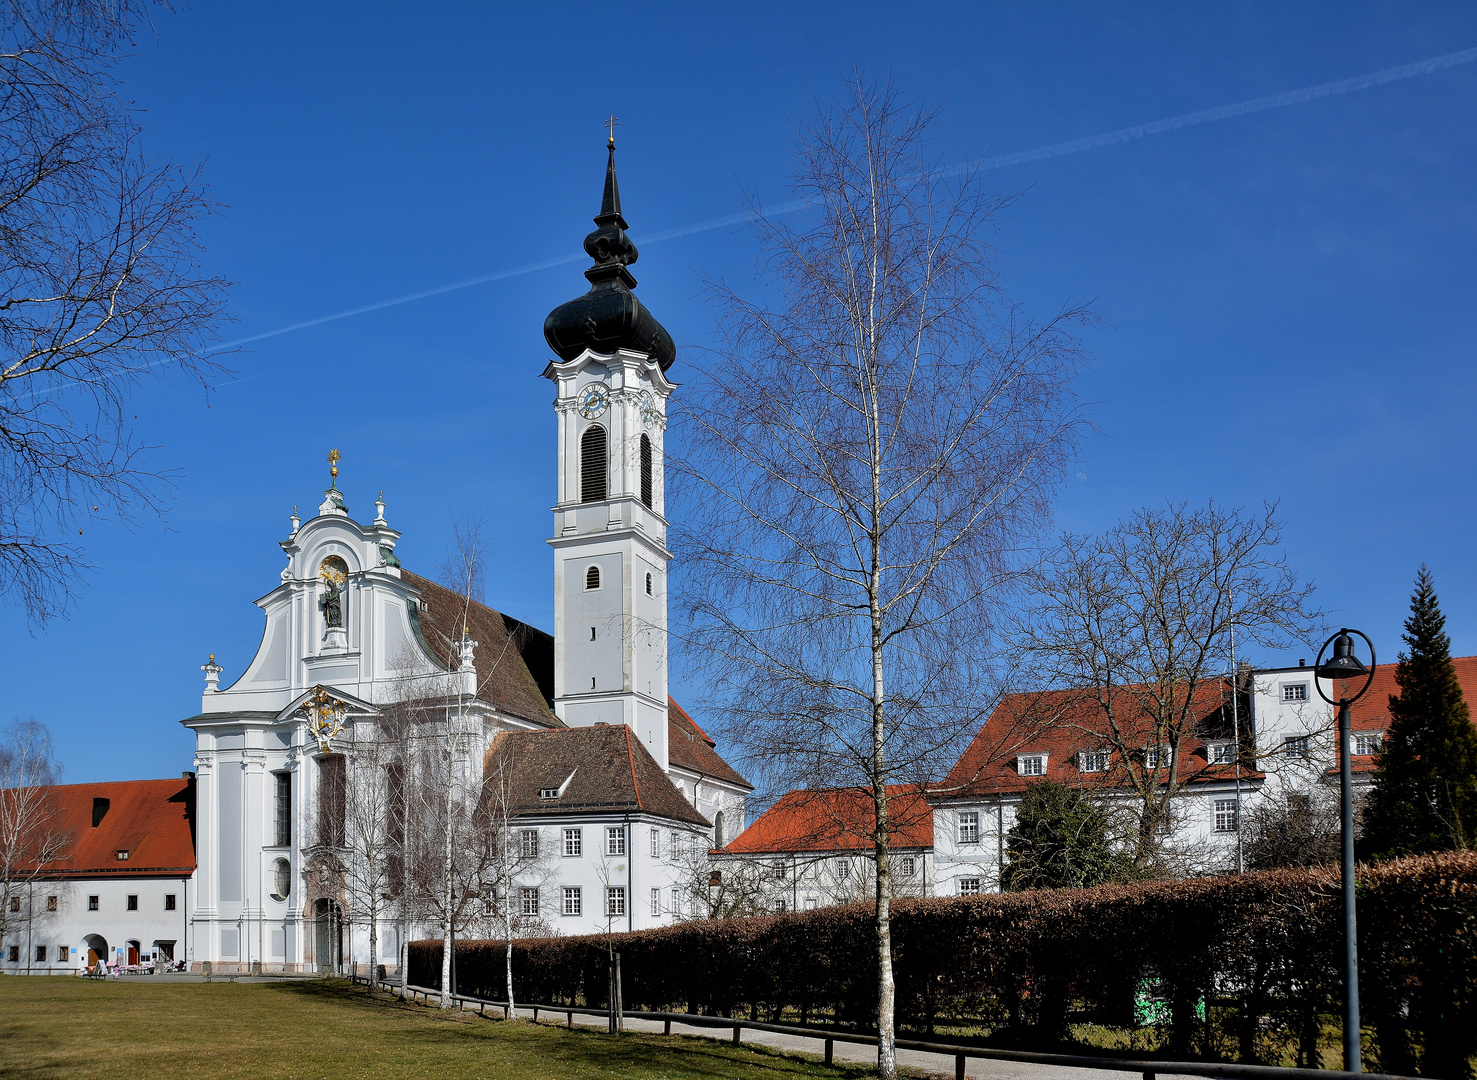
[331, 603]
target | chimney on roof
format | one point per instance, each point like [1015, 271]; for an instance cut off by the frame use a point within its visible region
[187, 775]
[1302, 661]
[99, 810]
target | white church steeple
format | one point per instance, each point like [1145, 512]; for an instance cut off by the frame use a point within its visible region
[610, 556]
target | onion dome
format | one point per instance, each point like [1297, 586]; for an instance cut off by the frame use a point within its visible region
[608, 317]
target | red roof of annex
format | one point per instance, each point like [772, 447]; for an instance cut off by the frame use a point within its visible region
[836, 819]
[148, 821]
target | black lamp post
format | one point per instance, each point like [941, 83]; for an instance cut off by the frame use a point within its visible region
[1342, 668]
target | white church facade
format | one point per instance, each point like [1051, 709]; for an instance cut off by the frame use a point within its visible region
[368, 676]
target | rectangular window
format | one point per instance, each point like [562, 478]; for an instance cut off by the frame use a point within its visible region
[121, 854]
[40, 954]
[1221, 753]
[530, 902]
[1295, 745]
[573, 905]
[1092, 761]
[656, 901]
[615, 841]
[615, 900]
[969, 886]
[133, 901]
[528, 843]
[907, 866]
[1225, 815]
[92, 903]
[283, 836]
[778, 868]
[676, 907]
[1368, 742]
[15, 954]
[969, 827]
[843, 869]
[573, 844]
[779, 907]
[1156, 757]
[332, 792]
[169, 901]
[62, 952]
[15, 903]
[810, 903]
[51, 903]
[656, 844]
[1031, 764]
[1295, 691]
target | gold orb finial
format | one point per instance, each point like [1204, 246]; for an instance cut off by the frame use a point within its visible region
[333, 459]
[212, 658]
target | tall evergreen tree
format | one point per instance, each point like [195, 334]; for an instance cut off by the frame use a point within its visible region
[1059, 841]
[1425, 788]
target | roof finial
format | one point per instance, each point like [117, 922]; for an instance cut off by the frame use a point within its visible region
[333, 459]
[611, 125]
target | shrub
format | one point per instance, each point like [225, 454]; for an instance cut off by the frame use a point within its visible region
[1260, 946]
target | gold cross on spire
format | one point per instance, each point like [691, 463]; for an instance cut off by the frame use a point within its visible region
[611, 126]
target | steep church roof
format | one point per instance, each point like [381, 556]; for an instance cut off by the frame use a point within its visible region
[514, 661]
[598, 769]
[690, 748]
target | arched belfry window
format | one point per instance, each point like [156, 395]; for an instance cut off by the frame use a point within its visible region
[592, 464]
[646, 471]
[592, 578]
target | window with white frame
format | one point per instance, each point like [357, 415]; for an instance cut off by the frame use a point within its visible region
[778, 868]
[1221, 753]
[1225, 815]
[843, 869]
[905, 868]
[1031, 764]
[656, 901]
[615, 841]
[1295, 691]
[1092, 761]
[574, 843]
[656, 843]
[811, 903]
[1156, 757]
[779, 907]
[969, 886]
[676, 905]
[528, 843]
[615, 900]
[573, 903]
[1367, 742]
[969, 827]
[676, 846]
[529, 898]
[1295, 745]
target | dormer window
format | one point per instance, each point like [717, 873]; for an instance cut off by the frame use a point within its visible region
[1031, 764]
[1368, 742]
[1221, 753]
[1156, 757]
[121, 854]
[1092, 761]
[548, 793]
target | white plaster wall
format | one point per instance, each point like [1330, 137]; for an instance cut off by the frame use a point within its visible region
[70, 925]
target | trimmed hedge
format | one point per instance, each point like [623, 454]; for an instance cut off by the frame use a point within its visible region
[1264, 949]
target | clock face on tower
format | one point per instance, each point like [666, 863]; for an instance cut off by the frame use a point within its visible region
[593, 400]
[650, 415]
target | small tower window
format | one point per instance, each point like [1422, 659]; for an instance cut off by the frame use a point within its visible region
[592, 578]
[648, 584]
[592, 464]
[646, 471]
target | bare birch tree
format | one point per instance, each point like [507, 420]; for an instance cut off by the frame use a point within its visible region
[31, 835]
[373, 755]
[100, 285]
[1136, 625]
[866, 456]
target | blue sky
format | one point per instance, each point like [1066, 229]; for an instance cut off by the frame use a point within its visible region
[1286, 296]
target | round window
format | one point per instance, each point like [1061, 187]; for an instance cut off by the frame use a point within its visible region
[282, 883]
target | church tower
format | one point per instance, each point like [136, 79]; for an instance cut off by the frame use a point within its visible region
[610, 554]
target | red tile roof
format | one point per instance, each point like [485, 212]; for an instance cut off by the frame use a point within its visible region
[689, 747]
[151, 820]
[1062, 723]
[837, 819]
[1372, 711]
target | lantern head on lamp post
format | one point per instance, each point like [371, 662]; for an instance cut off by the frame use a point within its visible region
[1342, 668]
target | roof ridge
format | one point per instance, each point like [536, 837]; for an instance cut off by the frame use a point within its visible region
[631, 759]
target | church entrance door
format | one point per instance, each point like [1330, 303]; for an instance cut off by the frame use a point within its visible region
[329, 934]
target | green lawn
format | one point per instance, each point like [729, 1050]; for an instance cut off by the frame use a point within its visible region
[68, 1027]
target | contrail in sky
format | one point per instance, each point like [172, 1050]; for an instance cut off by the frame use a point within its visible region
[1001, 161]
